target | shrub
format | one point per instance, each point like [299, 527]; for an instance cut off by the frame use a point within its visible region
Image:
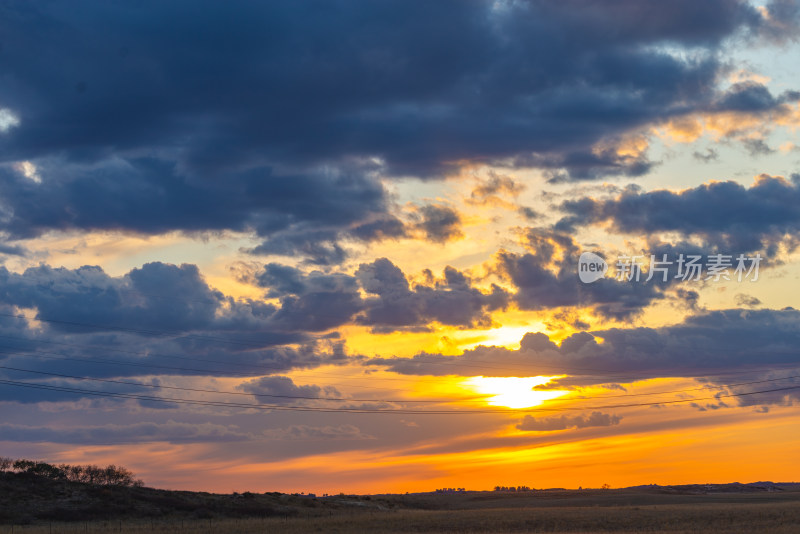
[111, 475]
[6, 463]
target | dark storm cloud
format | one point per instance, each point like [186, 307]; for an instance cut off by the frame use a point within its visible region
[157, 319]
[383, 228]
[726, 214]
[296, 213]
[563, 422]
[316, 300]
[40, 388]
[135, 357]
[155, 296]
[277, 117]
[706, 344]
[165, 319]
[588, 165]
[440, 223]
[546, 277]
[162, 298]
[751, 96]
[393, 303]
[273, 389]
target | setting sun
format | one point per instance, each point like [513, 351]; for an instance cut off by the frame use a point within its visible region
[514, 392]
[271, 250]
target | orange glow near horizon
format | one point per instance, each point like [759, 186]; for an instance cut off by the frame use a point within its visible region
[642, 454]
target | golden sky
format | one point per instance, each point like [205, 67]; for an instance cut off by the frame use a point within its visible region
[287, 248]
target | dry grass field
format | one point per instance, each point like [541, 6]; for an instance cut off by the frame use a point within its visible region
[486, 512]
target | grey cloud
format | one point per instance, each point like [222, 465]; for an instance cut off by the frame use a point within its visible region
[312, 302]
[387, 227]
[546, 276]
[706, 157]
[705, 344]
[452, 300]
[747, 301]
[281, 389]
[757, 147]
[440, 223]
[285, 128]
[495, 186]
[157, 319]
[563, 422]
[143, 432]
[314, 433]
[316, 300]
[726, 214]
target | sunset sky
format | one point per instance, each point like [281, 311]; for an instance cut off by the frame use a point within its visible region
[333, 246]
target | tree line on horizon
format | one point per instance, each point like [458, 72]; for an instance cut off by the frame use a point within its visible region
[111, 475]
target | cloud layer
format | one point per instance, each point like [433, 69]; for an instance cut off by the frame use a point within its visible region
[280, 120]
[726, 214]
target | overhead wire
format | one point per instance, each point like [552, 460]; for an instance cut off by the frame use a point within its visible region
[56, 355]
[280, 407]
[344, 399]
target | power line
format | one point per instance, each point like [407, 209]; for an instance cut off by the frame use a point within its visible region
[613, 373]
[59, 356]
[372, 411]
[609, 374]
[200, 390]
[208, 372]
[154, 332]
[202, 372]
[690, 389]
[342, 399]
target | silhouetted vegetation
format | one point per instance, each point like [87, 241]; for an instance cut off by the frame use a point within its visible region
[513, 488]
[33, 492]
[44, 505]
[111, 475]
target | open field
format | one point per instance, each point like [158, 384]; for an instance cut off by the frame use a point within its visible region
[36, 506]
[774, 517]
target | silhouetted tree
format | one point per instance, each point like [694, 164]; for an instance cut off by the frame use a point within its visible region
[111, 475]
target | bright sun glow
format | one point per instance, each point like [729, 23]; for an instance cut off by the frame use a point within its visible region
[508, 337]
[514, 392]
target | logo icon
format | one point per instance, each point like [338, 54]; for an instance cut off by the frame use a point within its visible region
[591, 267]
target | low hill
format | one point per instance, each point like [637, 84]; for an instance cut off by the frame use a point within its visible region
[26, 498]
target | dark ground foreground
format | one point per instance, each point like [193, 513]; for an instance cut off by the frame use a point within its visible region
[34, 505]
